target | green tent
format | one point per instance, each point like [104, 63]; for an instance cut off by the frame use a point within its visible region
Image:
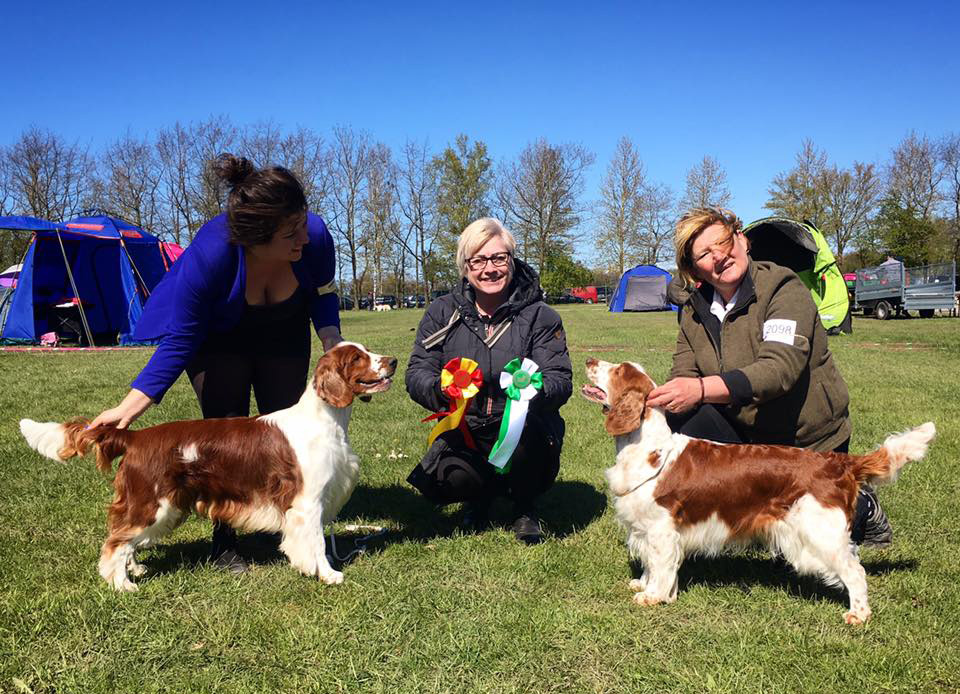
[801, 247]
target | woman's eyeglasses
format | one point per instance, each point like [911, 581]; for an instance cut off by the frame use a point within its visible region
[478, 262]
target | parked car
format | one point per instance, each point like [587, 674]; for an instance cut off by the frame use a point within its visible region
[414, 301]
[603, 294]
[564, 298]
[385, 300]
[588, 294]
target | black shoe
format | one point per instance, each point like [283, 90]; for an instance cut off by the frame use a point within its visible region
[476, 519]
[877, 532]
[527, 528]
[230, 561]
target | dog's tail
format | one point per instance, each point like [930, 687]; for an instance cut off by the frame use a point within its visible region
[884, 464]
[61, 442]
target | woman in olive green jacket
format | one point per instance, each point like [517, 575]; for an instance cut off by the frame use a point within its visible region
[751, 341]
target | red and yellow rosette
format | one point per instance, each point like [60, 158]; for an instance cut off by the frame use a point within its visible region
[460, 380]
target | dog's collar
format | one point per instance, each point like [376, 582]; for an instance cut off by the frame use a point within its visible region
[651, 477]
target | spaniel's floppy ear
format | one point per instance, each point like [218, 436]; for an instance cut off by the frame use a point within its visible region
[626, 415]
[331, 388]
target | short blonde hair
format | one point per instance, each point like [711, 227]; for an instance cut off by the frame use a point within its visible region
[476, 235]
[687, 230]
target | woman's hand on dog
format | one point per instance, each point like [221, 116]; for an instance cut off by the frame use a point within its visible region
[124, 414]
[676, 395]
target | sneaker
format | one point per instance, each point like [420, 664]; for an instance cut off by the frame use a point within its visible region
[527, 528]
[230, 561]
[877, 532]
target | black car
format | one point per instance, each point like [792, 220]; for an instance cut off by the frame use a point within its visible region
[414, 301]
[564, 298]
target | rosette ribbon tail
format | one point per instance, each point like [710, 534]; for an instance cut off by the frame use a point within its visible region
[460, 381]
[521, 380]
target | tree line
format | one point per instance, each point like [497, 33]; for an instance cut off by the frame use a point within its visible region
[395, 214]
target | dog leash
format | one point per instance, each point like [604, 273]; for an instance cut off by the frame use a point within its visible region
[360, 544]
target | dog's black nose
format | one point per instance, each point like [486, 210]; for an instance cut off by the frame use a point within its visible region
[392, 362]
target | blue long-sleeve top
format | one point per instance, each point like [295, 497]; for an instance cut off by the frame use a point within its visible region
[204, 292]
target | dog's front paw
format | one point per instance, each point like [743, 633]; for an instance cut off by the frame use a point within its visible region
[125, 586]
[333, 578]
[646, 599]
[638, 585]
[136, 570]
[855, 618]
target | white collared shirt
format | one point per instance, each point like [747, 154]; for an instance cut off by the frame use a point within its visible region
[720, 309]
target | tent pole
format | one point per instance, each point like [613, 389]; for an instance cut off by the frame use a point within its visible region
[76, 293]
[163, 257]
[135, 268]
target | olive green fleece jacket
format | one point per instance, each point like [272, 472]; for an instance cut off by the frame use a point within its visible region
[771, 352]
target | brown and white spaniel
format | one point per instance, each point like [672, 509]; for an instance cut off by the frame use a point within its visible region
[676, 495]
[290, 471]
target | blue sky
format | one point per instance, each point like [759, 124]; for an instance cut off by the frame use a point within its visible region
[743, 82]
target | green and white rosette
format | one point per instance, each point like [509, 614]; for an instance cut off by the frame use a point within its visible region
[521, 380]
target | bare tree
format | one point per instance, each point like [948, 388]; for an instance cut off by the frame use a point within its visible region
[379, 212]
[191, 193]
[417, 199]
[839, 202]
[210, 139]
[132, 184]
[915, 174]
[706, 185]
[801, 193]
[306, 154]
[656, 222]
[350, 163]
[260, 143]
[621, 208]
[302, 151]
[48, 178]
[950, 159]
[12, 246]
[541, 192]
[6, 189]
[179, 216]
[851, 196]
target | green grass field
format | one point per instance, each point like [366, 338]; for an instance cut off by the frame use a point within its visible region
[430, 610]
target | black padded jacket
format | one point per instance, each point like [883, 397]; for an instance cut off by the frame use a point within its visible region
[535, 331]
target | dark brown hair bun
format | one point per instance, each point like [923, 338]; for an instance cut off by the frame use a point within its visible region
[260, 200]
[232, 169]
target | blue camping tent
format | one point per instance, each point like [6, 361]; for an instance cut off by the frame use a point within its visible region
[642, 288]
[88, 277]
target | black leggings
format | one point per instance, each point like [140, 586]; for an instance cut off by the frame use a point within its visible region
[452, 472]
[222, 383]
[269, 351]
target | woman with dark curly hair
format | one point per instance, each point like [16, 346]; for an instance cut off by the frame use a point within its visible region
[235, 309]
